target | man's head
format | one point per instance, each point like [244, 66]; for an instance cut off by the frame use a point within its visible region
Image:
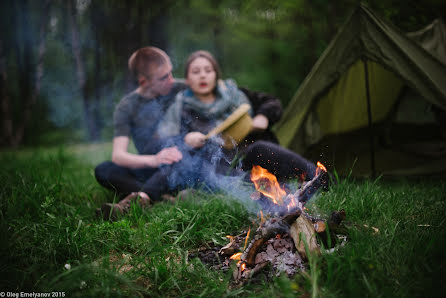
[153, 70]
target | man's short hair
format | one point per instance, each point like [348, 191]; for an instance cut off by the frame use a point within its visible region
[144, 60]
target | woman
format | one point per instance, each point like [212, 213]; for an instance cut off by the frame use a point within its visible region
[201, 107]
[208, 101]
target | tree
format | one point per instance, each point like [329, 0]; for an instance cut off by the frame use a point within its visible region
[29, 72]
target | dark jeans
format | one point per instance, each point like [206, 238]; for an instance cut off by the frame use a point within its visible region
[203, 167]
[124, 180]
[197, 167]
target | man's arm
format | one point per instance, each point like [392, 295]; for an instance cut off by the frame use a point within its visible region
[123, 158]
[267, 108]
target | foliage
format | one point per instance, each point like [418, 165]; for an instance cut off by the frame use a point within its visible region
[268, 46]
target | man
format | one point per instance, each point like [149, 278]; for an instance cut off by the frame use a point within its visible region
[137, 116]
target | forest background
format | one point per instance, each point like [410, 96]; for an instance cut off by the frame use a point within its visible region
[63, 63]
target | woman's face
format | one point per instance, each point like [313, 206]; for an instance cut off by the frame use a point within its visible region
[201, 76]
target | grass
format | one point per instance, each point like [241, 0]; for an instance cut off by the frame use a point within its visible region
[47, 224]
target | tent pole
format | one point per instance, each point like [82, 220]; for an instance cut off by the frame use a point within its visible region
[369, 114]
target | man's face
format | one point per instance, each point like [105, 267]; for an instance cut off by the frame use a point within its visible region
[161, 81]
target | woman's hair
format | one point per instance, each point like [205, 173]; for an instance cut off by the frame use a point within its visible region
[203, 54]
[144, 60]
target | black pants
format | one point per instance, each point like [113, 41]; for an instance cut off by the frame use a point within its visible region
[283, 163]
[124, 180]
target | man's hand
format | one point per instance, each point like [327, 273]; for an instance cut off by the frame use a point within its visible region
[195, 139]
[259, 123]
[168, 156]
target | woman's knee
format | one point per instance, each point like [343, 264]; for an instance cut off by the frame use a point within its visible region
[257, 148]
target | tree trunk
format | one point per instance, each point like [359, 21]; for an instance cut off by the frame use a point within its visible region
[80, 69]
[23, 58]
[5, 100]
[96, 78]
[29, 76]
[38, 72]
[133, 37]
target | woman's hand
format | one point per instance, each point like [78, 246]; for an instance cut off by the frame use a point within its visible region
[195, 139]
[259, 123]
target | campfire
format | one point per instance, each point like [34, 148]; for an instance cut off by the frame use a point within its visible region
[285, 235]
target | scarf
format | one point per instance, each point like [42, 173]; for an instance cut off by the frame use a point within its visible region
[227, 99]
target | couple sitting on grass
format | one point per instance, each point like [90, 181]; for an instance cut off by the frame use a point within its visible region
[168, 120]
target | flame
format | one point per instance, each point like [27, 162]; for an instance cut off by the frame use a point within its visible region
[267, 184]
[262, 218]
[243, 267]
[320, 167]
[236, 256]
[246, 239]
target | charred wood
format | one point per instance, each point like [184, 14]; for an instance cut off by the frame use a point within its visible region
[328, 230]
[270, 229]
[307, 191]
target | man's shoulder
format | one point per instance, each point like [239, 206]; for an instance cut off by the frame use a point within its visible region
[129, 99]
[132, 96]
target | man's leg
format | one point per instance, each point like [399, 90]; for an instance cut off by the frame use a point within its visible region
[157, 184]
[283, 163]
[120, 179]
[171, 178]
[125, 182]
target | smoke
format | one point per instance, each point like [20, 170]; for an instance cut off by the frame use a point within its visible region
[210, 166]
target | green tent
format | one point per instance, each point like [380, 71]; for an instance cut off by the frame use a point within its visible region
[432, 38]
[374, 103]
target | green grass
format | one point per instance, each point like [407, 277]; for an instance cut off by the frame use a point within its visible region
[48, 198]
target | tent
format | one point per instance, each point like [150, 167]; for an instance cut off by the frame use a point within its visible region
[433, 39]
[374, 103]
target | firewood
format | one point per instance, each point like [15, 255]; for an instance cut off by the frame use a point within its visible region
[269, 230]
[320, 226]
[328, 230]
[263, 234]
[230, 248]
[303, 233]
[311, 187]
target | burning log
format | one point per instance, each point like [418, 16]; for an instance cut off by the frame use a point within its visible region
[272, 228]
[310, 188]
[278, 202]
[289, 219]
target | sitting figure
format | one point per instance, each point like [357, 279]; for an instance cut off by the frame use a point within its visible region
[199, 108]
[136, 117]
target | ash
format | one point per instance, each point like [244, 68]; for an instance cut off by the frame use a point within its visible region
[282, 256]
[276, 256]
